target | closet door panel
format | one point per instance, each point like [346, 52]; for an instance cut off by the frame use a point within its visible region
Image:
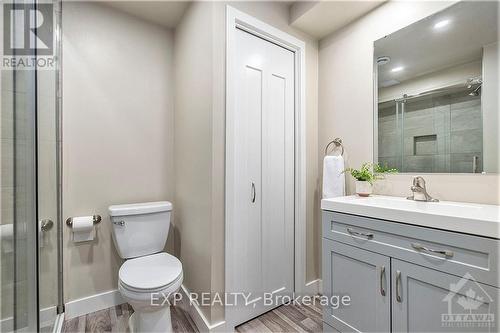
[261, 159]
[277, 171]
[248, 165]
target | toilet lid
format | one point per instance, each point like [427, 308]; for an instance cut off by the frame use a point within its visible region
[150, 272]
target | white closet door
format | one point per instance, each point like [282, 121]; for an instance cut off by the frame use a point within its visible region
[263, 153]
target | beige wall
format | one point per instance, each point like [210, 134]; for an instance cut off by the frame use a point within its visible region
[117, 130]
[346, 101]
[199, 139]
[125, 118]
[194, 147]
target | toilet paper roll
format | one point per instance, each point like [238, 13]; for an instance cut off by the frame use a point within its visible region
[83, 228]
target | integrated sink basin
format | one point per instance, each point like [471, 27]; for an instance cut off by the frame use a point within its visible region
[475, 219]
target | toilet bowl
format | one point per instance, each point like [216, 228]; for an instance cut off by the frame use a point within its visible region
[149, 278]
[147, 283]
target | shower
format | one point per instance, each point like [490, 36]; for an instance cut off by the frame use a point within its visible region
[476, 91]
[474, 83]
[425, 132]
[30, 178]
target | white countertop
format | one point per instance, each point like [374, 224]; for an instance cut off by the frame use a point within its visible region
[475, 219]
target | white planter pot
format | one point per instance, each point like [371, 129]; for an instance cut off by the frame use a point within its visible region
[363, 188]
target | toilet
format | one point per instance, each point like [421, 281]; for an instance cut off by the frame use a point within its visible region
[148, 276]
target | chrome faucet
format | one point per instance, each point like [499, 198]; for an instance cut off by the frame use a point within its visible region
[419, 191]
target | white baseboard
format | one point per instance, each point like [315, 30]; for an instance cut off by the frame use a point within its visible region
[48, 316]
[314, 287]
[82, 306]
[197, 315]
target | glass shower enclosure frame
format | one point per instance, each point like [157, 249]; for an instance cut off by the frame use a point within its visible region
[30, 178]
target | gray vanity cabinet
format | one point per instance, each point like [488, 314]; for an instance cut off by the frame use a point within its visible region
[424, 300]
[403, 278]
[363, 276]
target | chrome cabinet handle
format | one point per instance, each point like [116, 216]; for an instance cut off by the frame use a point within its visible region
[382, 277]
[398, 286]
[420, 247]
[359, 234]
[253, 192]
[120, 223]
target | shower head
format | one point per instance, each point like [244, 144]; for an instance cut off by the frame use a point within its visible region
[474, 81]
[477, 91]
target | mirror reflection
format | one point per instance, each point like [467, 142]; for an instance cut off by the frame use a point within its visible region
[437, 84]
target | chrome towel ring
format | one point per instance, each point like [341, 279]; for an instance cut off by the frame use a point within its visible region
[338, 143]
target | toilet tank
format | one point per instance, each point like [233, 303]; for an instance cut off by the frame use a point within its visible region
[140, 229]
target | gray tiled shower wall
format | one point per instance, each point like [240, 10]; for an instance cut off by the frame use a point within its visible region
[438, 134]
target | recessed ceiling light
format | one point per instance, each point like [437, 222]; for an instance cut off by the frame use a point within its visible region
[397, 69]
[441, 24]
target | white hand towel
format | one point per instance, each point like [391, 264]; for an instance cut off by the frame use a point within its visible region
[333, 178]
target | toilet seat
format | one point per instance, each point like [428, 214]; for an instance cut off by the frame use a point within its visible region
[150, 273]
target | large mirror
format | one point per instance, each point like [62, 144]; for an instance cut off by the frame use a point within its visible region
[437, 101]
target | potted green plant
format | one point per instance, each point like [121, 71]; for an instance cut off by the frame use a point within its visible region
[367, 175]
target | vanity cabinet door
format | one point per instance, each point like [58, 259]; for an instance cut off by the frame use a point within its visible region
[364, 277]
[425, 300]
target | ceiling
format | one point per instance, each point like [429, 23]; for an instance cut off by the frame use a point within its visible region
[421, 48]
[321, 18]
[316, 18]
[164, 13]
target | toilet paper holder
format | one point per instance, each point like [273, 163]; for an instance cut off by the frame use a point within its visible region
[96, 219]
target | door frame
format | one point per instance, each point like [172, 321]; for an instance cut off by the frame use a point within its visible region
[236, 19]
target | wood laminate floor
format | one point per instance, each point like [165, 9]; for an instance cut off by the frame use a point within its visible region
[115, 319]
[286, 318]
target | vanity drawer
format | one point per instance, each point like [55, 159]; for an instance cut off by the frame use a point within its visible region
[445, 251]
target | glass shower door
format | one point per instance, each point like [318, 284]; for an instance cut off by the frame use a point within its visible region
[426, 135]
[48, 182]
[19, 308]
[29, 223]
[389, 134]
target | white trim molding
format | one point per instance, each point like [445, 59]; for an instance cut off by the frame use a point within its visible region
[237, 19]
[197, 315]
[85, 305]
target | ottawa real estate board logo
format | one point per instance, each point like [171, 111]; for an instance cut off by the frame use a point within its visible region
[469, 305]
[28, 36]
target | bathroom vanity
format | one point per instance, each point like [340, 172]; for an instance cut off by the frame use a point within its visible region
[410, 266]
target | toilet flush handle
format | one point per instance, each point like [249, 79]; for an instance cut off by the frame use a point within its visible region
[120, 223]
